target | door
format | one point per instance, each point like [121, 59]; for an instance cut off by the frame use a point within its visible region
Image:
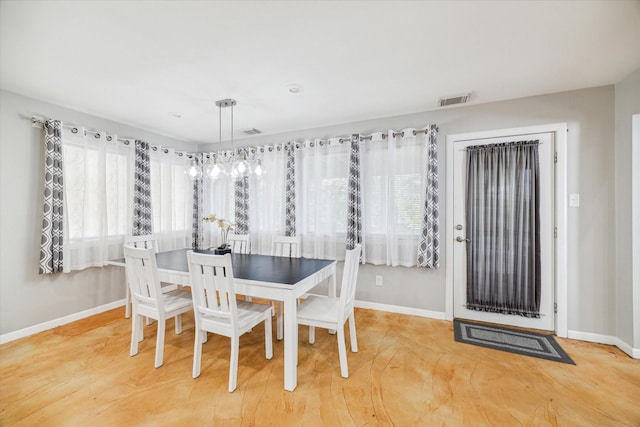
[546, 152]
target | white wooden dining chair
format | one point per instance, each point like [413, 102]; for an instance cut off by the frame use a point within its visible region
[285, 246]
[146, 241]
[332, 313]
[149, 300]
[216, 309]
[240, 243]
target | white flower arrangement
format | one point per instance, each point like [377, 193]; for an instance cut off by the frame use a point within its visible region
[225, 227]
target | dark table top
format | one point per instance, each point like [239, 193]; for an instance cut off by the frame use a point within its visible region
[261, 268]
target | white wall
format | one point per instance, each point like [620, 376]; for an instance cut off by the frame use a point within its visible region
[627, 103]
[591, 246]
[27, 298]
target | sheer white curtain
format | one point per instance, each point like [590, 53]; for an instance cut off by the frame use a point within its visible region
[98, 172]
[267, 200]
[218, 199]
[171, 198]
[322, 172]
[394, 179]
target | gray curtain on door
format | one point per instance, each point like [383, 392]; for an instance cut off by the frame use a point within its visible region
[503, 225]
[142, 221]
[52, 237]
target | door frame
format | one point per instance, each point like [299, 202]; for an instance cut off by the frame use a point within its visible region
[560, 200]
[635, 225]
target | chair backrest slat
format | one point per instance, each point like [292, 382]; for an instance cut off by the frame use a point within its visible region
[286, 246]
[349, 279]
[146, 241]
[212, 286]
[142, 275]
[240, 243]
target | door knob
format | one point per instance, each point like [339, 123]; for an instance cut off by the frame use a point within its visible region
[462, 239]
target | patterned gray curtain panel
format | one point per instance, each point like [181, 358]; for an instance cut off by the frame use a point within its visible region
[197, 225]
[503, 225]
[429, 244]
[242, 205]
[290, 191]
[354, 207]
[51, 243]
[142, 222]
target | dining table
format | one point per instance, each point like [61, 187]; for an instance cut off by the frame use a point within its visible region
[262, 276]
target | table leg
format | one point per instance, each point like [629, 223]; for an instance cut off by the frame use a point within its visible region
[290, 344]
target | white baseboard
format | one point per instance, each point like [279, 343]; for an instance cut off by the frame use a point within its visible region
[605, 339]
[439, 315]
[45, 326]
[633, 352]
[588, 336]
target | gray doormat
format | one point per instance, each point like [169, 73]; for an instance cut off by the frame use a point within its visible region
[511, 340]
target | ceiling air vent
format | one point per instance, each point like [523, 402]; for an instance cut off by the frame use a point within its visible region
[253, 131]
[453, 100]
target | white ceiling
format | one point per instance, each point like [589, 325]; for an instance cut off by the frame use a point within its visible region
[134, 62]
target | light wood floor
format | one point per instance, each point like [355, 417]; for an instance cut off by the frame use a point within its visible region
[409, 372]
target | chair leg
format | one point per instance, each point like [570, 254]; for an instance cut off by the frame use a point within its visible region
[136, 322]
[268, 344]
[160, 342]
[233, 363]
[342, 352]
[140, 330]
[312, 334]
[248, 299]
[178, 322]
[352, 333]
[197, 353]
[279, 323]
[127, 304]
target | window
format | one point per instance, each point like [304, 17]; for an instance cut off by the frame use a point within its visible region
[392, 177]
[322, 173]
[393, 183]
[171, 199]
[97, 197]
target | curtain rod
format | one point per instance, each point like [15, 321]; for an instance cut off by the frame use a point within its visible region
[40, 122]
[502, 144]
[253, 150]
[384, 136]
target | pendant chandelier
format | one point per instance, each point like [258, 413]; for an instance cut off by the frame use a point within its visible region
[237, 164]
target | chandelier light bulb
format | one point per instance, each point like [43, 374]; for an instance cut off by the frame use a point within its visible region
[234, 171]
[213, 170]
[194, 170]
[235, 165]
[243, 168]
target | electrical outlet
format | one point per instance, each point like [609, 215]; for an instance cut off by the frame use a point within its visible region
[574, 200]
[378, 280]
